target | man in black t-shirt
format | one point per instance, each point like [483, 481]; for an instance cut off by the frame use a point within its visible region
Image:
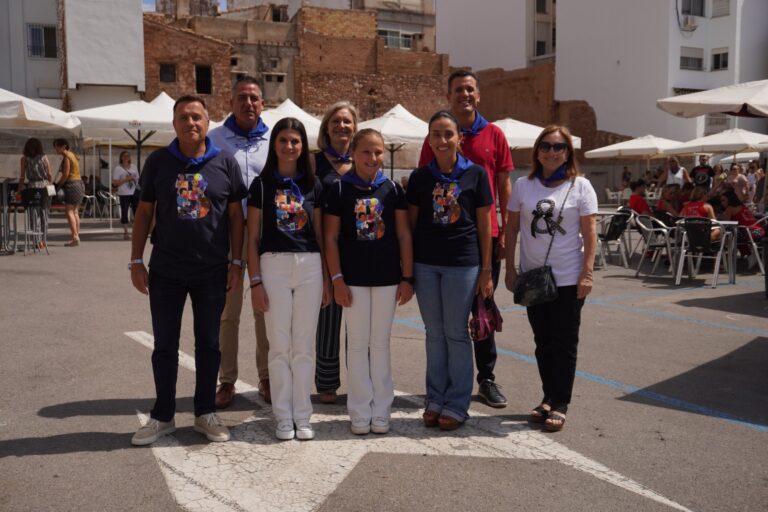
[702, 175]
[194, 192]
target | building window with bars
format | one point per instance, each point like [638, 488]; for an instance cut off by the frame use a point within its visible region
[719, 59]
[693, 7]
[396, 39]
[167, 72]
[692, 58]
[203, 79]
[541, 6]
[41, 41]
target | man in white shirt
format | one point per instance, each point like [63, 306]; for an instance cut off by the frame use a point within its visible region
[245, 136]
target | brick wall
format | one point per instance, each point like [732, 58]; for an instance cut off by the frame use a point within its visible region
[526, 94]
[167, 45]
[337, 23]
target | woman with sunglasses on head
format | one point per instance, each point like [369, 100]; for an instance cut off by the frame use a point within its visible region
[370, 259]
[449, 208]
[333, 161]
[552, 211]
[126, 180]
[287, 277]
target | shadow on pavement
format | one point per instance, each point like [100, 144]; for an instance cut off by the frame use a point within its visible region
[731, 387]
[110, 407]
[65, 443]
[753, 304]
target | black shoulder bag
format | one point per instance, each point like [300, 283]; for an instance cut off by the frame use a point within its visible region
[538, 286]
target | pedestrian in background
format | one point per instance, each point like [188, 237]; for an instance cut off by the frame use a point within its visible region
[449, 210]
[126, 180]
[552, 214]
[34, 176]
[370, 258]
[332, 162]
[287, 277]
[74, 190]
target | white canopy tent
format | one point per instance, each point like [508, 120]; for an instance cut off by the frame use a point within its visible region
[646, 147]
[290, 109]
[748, 99]
[20, 112]
[522, 135]
[731, 141]
[398, 127]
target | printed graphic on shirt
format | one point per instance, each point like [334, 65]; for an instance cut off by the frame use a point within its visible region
[368, 221]
[445, 203]
[191, 203]
[289, 211]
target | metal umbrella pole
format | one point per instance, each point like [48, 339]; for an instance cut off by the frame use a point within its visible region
[392, 150]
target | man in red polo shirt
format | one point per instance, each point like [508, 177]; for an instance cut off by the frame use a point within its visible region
[484, 144]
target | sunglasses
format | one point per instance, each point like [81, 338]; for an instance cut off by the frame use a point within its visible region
[558, 147]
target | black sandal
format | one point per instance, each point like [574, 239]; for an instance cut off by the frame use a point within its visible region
[555, 421]
[539, 414]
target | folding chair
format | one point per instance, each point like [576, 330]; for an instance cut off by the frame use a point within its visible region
[747, 237]
[613, 231]
[656, 238]
[696, 240]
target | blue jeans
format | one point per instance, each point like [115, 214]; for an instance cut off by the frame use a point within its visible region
[166, 303]
[445, 297]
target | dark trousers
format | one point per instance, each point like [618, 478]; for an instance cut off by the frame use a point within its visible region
[327, 372]
[166, 302]
[485, 351]
[556, 334]
[126, 202]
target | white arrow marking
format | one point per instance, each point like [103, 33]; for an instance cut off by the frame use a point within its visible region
[256, 472]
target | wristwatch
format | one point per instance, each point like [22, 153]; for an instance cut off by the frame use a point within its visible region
[139, 261]
[239, 263]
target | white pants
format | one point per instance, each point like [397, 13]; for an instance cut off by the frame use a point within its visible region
[369, 370]
[294, 286]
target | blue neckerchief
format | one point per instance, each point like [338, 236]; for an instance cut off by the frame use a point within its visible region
[287, 180]
[462, 164]
[210, 151]
[479, 124]
[341, 159]
[257, 132]
[353, 179]
[558, 175]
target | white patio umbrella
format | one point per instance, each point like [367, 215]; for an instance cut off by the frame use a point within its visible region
[290, 109]
[749, 99]
[732, 141]
[647, 147]
[522, 135]
[164, 101]
[18, 111]
[398, 127]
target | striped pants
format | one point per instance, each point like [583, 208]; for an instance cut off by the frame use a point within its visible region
[327, 376]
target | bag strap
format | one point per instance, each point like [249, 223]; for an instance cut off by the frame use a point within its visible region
[559, 219]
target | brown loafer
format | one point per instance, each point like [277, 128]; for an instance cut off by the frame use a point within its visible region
[430, 418]
[448, 423]
[328, 397]
[225, 395]
[264, 390]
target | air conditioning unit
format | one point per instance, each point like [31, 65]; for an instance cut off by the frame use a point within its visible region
[689, 23]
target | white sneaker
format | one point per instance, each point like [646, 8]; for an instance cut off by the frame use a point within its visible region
[212, 427]
[152, 431]
[380, 425]
[360, 426]
[304, 430]
[284, 430]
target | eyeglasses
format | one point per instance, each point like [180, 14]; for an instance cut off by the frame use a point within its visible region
[558, 147]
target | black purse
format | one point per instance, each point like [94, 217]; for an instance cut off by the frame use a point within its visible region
[538, 286]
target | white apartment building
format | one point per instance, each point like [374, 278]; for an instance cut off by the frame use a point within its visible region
[623, 55]
[72, 53]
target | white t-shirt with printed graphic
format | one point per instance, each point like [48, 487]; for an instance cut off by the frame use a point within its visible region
[567, 255]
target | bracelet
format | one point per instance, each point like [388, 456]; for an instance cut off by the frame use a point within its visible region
[255, 279]
[337, 276]
[139, 261]
[254, 285]
[410, 280]
[239, 263]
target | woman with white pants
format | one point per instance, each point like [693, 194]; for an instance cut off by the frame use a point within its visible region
[370, 259]
[287, 279]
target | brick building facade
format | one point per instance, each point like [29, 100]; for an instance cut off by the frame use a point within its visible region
[180, 61]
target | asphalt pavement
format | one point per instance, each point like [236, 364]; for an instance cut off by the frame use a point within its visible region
[670, 407]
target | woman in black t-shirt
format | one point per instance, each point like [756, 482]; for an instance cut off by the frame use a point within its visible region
[288, 282]
[370, 259]
[449, 203]
[332, 162]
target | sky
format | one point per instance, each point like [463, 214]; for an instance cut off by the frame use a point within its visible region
[149, 5]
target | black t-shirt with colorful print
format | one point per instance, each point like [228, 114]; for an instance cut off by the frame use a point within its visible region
[368, 246]
[287, 218]
[446, 227]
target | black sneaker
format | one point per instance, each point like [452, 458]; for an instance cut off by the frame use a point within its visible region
[490, 392]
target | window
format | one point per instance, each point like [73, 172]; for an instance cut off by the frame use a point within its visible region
[693, 7]
[396, 39]
[541, 6]
[167, 72]
[691, 58]
[721, 8]
[719, 59]
[203, 82]
[541, 48]
[716, 123]
[41, 41]
[273, 63]
[273, 77]
[233, 61]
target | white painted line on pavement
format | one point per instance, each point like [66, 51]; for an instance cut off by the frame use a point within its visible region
[256, 472]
